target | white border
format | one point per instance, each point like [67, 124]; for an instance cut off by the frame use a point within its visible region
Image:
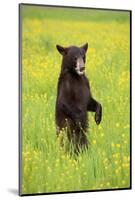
[9, 97]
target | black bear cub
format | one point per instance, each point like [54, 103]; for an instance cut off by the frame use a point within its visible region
[74, 97]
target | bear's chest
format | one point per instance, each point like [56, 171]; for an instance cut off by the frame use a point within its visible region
[79, 90]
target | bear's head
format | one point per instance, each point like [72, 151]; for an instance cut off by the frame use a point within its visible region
[73, 58]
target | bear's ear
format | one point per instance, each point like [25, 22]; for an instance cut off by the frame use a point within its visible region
[85, 47]
[61, 50]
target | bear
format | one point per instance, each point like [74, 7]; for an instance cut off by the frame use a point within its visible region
[74, 98]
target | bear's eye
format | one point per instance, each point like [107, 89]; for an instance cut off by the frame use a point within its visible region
[75, 58]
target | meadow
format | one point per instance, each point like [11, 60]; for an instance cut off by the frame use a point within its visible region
[46, 167]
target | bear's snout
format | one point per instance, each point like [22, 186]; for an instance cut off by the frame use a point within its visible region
[80, 66]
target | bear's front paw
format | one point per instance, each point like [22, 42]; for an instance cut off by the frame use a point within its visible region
[98, 116]
[97, 119]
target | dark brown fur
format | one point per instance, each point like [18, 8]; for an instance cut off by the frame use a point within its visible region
[74, 98]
